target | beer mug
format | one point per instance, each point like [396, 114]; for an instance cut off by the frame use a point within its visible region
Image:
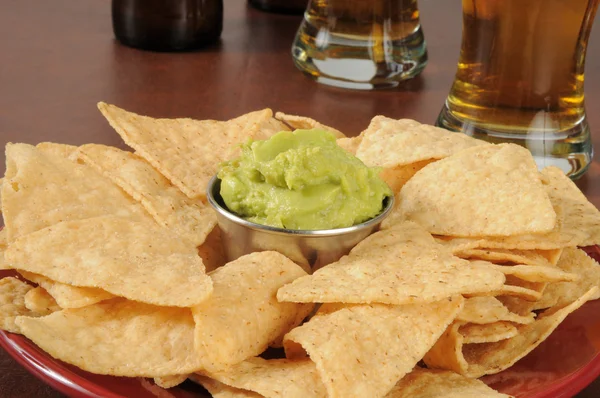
[520, 78]
[360, 44]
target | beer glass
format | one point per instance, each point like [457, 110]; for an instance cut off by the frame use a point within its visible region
[520, 78]
[360, 44]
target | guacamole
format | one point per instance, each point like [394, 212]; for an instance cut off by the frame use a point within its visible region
[301, 180]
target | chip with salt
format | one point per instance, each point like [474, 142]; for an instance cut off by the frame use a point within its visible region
[186, 151]
[12, 303]
[169, 207]
[469, 194]
[118, 337]
[475, 360]
[502, 256]
[274, 378]
[531, 273]
[67, 296]
[489, 333]
[389, 143]
[62, 150]
[485, 310]
[430, 383]
[396, 266]
[358, 351]
[306, 123]
[242, 316]
[131, 259]
[39, 301]
[42, 189]
[575, 261]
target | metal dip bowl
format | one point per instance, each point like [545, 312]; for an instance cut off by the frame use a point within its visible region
[310, 249]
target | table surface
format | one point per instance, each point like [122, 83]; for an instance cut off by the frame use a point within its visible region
[59, 58]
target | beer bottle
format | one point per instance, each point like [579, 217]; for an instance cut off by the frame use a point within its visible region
[167, 25]
[281, 6]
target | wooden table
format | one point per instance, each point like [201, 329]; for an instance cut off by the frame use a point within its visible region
[59, 58]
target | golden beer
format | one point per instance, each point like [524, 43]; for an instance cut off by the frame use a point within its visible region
[360, 44]
[520, 77]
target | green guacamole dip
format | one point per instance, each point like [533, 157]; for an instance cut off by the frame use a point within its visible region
[301, 180]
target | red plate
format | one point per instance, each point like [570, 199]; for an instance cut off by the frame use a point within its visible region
[561, 366]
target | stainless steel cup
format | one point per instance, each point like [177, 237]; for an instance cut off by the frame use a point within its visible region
[309, 249]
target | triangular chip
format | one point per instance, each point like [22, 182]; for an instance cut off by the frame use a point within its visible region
[581, 215]
[274, 378]
[358, 350]
[490, 190]
[396, 266]
[118, 337]
[68, 296]
[390, 143]
[12, 303]
[575, 261]
[186, 151]
[503, 256]
[475, 360]
[39, 301]
[306, 123]
[42, 189]
[489, 333]
[485, 310]
[126, 258]
[169, 207]
[531, 273]
[170, 381]
[431, 383]
[62, 150]
[242, 317]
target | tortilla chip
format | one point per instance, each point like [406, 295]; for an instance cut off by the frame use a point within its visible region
[306, 123]
[390, 143]
[429, 383]
[170, 381]
[503, 256]
[531, 273]
[12, 303]
[476, 360]
[42, 189]
[486, 310]
[118, 337]
[575, 261]
[577, 221]
[490, 333]
[489, 190]
[67, 296]
[61, 150]
[357, 350]
[243, 316]
[396, 266]
[169, 207]
[490, 358]
[582, 216]
[129, 259]
[349, 144]
[220, 390]
[274, 378]
[186, 151]
[447, 351]
[38, 301]
[397, 176]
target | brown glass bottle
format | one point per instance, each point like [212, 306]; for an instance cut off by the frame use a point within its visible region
[281, 6]
[167, 25]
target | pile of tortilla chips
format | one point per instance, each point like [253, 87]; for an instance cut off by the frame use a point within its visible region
[119, 267]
